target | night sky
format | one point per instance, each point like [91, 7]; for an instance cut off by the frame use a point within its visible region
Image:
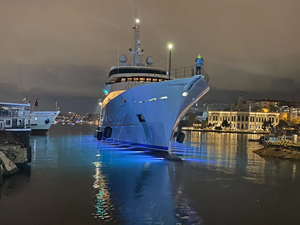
[64, 49]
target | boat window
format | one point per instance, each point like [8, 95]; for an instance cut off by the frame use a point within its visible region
[8, 122]
[137, 70]
[148, 79]
[154, 79]
[129, 79]
[123, 79]
[141, 118]
[135, 79]
[160, 80]
[164, 97]
[112, 80]
[142, 79]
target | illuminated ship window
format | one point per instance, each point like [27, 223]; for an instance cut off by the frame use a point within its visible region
[152, 99]
[164, 97]
[148, 79]
[154, 79]
[135, 79]
[112, 80]
[142, 79]
[129, 79]
[160, 80]
[123, 80]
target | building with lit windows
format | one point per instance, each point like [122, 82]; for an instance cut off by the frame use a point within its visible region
[242, 120]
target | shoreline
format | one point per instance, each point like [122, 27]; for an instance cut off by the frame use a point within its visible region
[279, 152]
[227, 131]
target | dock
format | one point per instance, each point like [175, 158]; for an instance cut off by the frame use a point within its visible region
[13, 152]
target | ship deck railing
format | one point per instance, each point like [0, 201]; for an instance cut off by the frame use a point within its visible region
[184, 72]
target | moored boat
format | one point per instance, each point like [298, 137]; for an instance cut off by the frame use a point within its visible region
[15, 117]
[41, 121]
[142, 105]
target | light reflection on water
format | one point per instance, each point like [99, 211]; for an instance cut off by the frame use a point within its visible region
[76, 179]
[103, 204]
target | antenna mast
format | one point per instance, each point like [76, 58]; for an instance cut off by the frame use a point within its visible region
[137, 44]
[20, 86]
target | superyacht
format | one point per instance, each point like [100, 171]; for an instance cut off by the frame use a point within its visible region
[142, 105]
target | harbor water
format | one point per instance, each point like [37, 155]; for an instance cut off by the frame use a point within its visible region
[75, 179]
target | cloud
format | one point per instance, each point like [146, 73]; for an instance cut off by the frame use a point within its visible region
[63, 49]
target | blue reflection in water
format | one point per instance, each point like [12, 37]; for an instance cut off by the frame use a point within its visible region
[76, 179]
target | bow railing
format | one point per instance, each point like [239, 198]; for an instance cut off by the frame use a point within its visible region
[185, 72]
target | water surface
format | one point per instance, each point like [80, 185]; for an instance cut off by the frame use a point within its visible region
[75, 179]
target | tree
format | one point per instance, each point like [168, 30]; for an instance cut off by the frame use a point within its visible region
[225, 123]
[204, 123]
[282, 124]
[267, 124]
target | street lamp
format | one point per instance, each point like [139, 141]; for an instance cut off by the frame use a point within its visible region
[170, 46]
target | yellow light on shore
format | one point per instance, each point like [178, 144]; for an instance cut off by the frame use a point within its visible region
[137, 20]
[170, 46]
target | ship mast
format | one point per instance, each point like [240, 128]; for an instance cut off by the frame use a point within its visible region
[137, 50]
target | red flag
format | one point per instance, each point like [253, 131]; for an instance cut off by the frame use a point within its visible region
[36, 104]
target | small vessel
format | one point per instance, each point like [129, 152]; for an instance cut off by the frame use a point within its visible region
[15, 117]
[41, 121]
[142, 105]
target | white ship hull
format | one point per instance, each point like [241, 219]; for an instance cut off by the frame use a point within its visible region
[161, 106]
[42, 120]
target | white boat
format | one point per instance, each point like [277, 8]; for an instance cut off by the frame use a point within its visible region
[15, 117]
[143, 105]
[41, 121]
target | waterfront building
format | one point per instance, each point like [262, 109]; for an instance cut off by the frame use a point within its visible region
[242, 120]
[290, 114]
